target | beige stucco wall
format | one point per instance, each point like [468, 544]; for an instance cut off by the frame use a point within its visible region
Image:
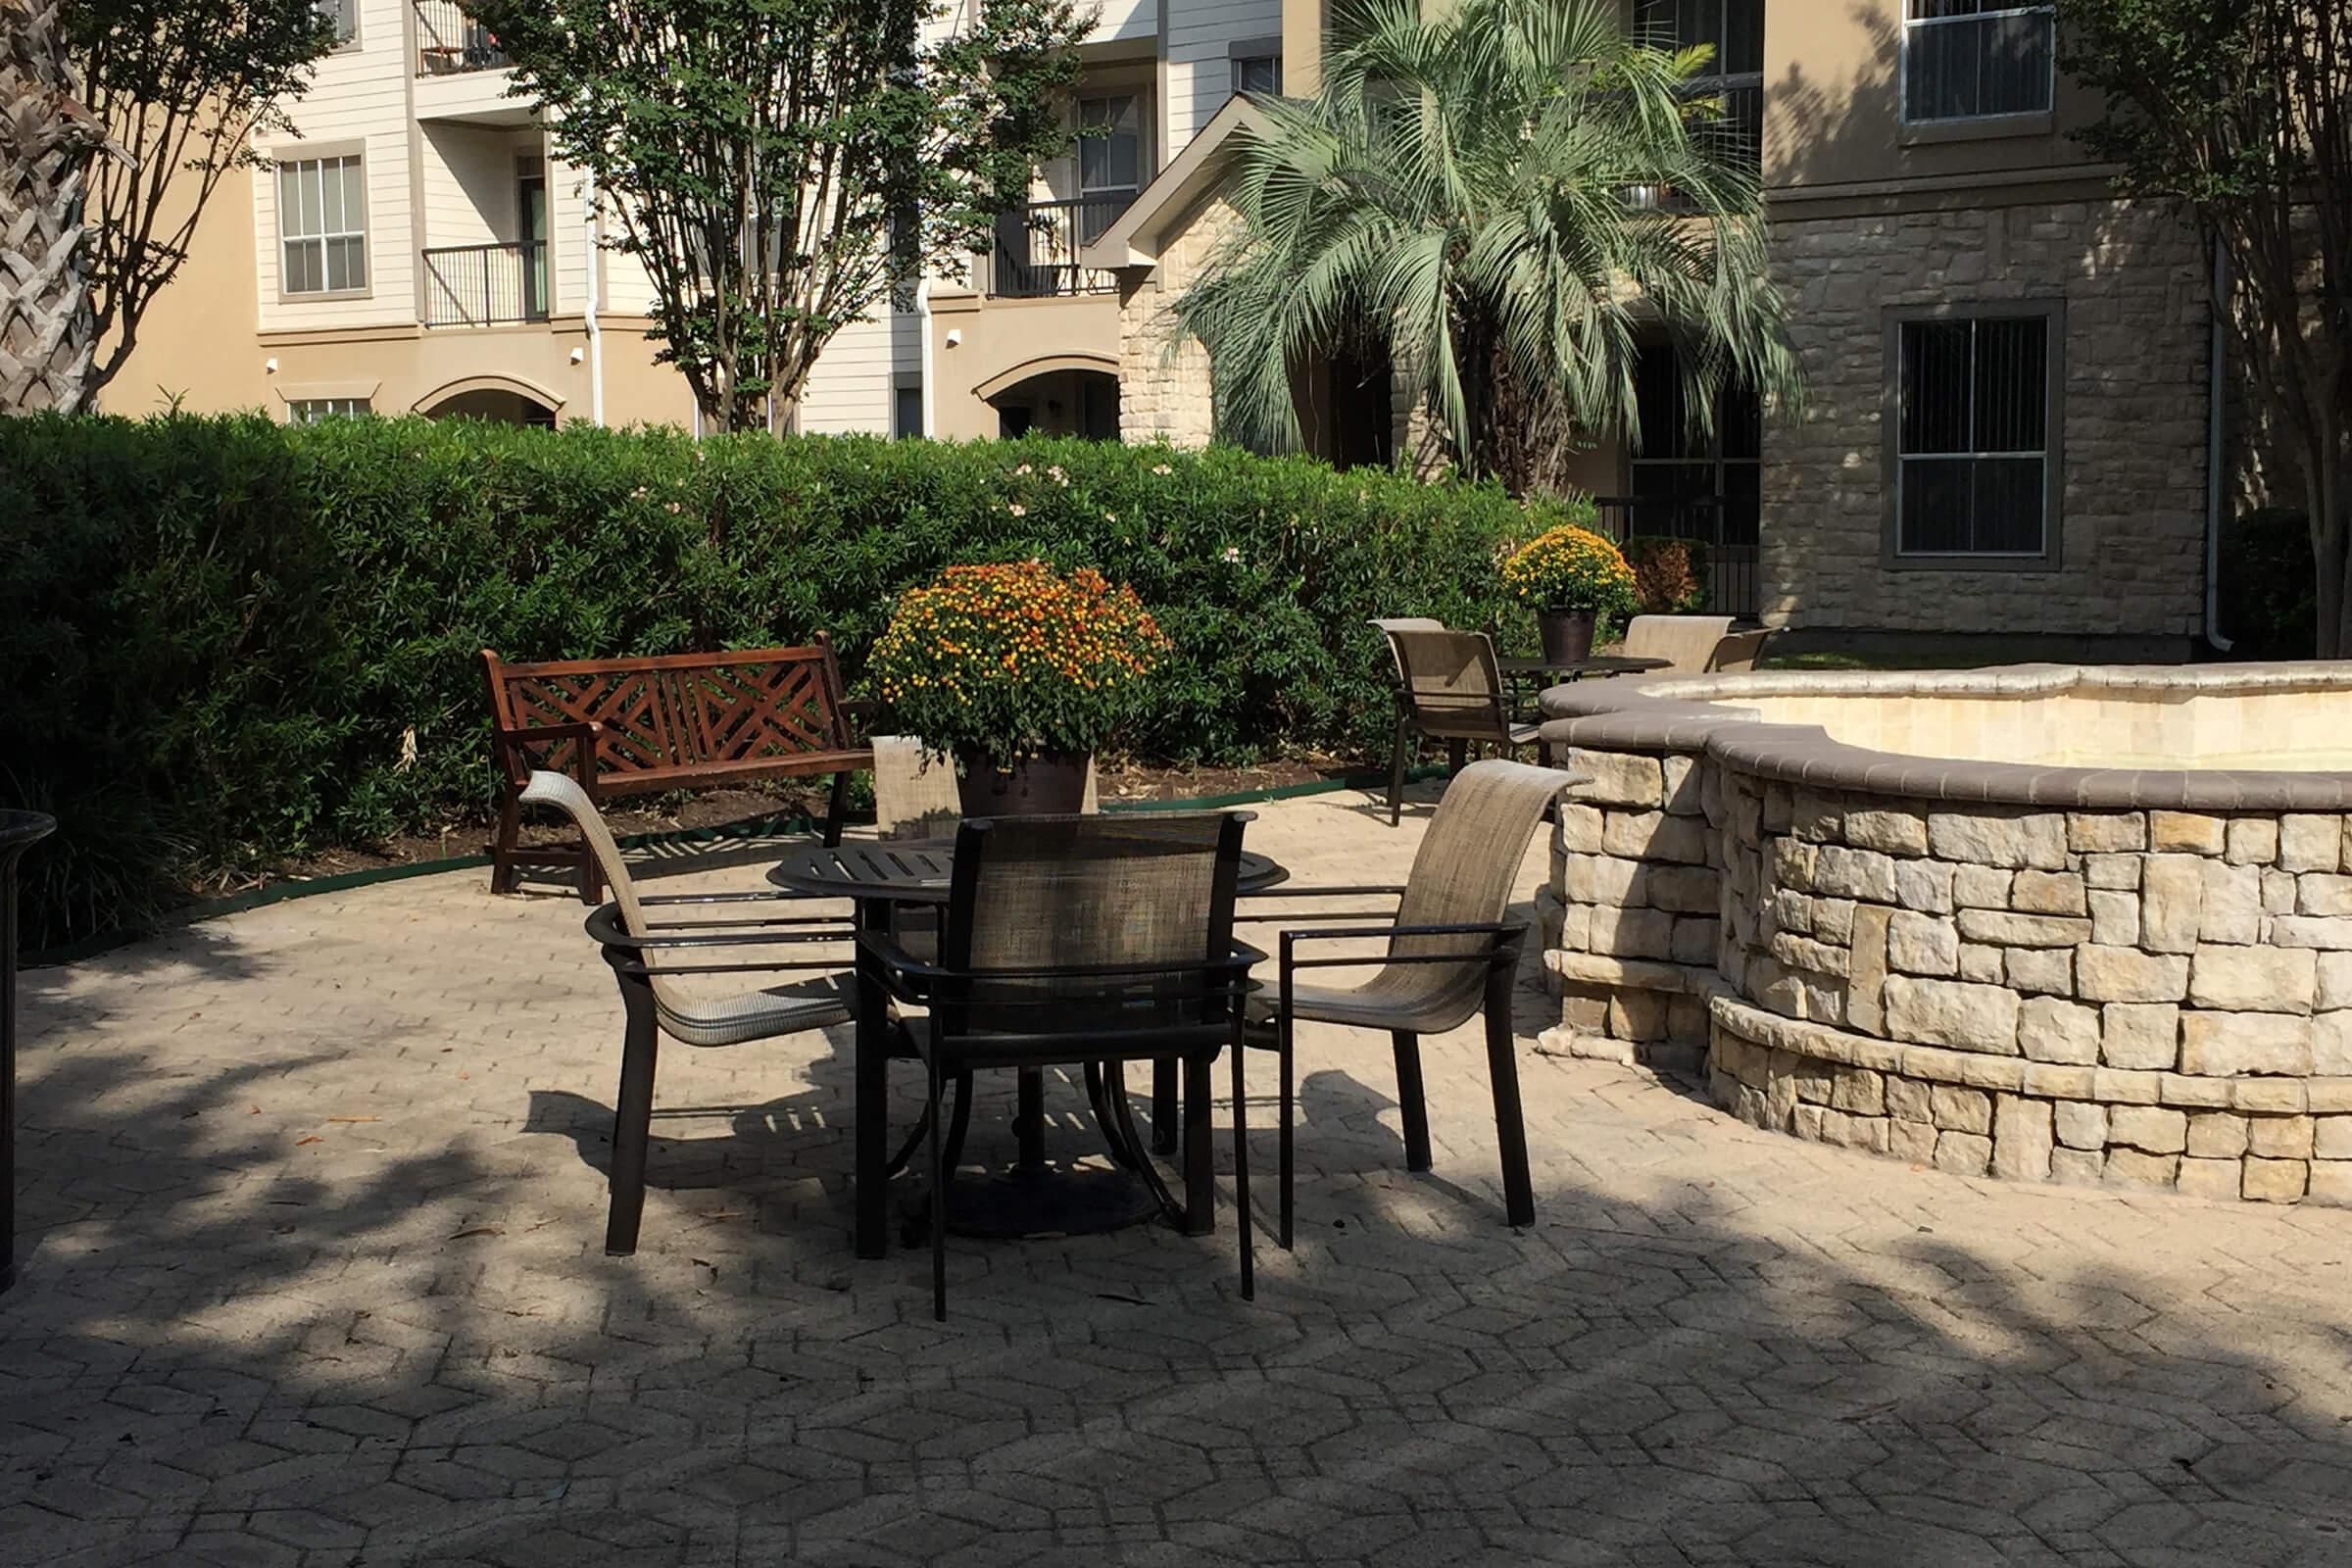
[196, 343]
[997, 339]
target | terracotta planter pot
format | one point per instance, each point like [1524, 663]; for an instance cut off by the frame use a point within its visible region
[1567, 633]
[1054, 785]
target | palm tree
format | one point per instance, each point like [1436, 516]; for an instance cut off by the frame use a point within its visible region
[1507, 200]
[48, 335]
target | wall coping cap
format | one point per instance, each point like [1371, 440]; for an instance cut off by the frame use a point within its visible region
[1701, 714]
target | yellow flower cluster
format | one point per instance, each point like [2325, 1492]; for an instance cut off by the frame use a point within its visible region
[1569, 568]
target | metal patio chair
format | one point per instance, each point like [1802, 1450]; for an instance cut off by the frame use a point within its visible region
[1449, 687]
[661, 965]
[1079, 940]
[1451, 954]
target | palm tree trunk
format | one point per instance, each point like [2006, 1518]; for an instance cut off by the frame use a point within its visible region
[48, 333]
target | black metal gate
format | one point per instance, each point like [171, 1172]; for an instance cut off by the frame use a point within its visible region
[1727, 529]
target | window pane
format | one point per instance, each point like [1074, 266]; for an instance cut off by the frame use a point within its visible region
[355, 196]
[289, 200]
[2008, 504]
[301, 266]
[1935, 387]
[330, 197]
[1742, 49]
[347, 262]
[1257, 74]
[2011, 385]
[1658, 398]
[1111, 160]
[313, 197]
[2017, 64]
[1740, 421]
[907, 413]
[1936, 500]
[1977, 65]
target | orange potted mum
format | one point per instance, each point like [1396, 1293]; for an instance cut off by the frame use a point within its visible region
[1019, 671]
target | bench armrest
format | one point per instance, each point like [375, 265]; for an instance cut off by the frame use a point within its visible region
[511, 748]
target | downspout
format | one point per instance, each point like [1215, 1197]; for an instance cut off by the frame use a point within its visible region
[2217, 360]
[593, 220]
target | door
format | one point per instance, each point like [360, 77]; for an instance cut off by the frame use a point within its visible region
[530, 202]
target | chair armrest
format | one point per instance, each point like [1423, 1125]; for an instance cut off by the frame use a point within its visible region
[605, 927]
[1510, 933]
[1282, 890]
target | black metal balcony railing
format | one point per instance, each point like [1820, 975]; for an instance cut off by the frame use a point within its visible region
[448, 42]
[484, 285]
[1736, 134]
[1036, 251]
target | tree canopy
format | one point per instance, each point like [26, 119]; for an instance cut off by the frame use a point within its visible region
[783, 167]
[2244, 112]
[183, 86]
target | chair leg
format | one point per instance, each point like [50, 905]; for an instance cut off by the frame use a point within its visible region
[1163, 1105]
[1396, 755]
[839, 805]
[1510, 1125]
[1199, 1178]
[508, 839]
[1285, 1169]
[1241, 1176]
[632, 1117]
[1409, 1096]
[938, 1205]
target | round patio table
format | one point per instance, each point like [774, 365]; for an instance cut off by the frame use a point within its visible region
[19, 832]
[1520, 665]
[1030, 1197]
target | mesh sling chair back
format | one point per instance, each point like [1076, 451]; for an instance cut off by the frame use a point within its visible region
[676, 977]
[1449, 954]
[1081, 940]
[1449, 687]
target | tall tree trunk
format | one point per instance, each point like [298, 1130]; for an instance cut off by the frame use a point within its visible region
[48, 333]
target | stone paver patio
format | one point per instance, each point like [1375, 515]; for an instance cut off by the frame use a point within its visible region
[314, 1276]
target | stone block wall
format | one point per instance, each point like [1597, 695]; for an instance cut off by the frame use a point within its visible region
[1633, 918]
[2132, 278]
[1164, 389]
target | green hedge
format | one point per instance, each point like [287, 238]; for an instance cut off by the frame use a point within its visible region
[215, 634]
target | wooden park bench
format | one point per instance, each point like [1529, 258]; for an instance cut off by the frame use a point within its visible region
[646, 726]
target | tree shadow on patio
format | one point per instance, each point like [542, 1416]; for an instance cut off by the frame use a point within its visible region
[399, 1342]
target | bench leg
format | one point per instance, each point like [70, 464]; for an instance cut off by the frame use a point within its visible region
[502, 848]
[838, 808]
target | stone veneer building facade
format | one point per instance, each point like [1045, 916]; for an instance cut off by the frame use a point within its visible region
[2008, 431]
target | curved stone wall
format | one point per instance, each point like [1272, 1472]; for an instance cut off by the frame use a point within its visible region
[2037, 971]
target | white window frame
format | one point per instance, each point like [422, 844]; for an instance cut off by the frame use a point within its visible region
[1912, 24]
[333, 10]
[356, 154]
[310, 410]
[2052, 316]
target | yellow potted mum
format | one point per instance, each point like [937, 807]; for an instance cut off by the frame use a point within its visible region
[1569, 576]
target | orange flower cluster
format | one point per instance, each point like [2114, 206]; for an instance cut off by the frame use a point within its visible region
[1022, 652]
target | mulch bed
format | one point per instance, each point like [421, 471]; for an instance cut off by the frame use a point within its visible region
[745, 810]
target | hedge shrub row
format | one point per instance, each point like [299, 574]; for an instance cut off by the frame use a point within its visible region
[225, 641]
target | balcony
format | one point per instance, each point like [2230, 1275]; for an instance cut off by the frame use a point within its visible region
[1036, 249]
[451, 43]
[485, 285]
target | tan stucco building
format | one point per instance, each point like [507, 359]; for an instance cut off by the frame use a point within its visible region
[2009, 425]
